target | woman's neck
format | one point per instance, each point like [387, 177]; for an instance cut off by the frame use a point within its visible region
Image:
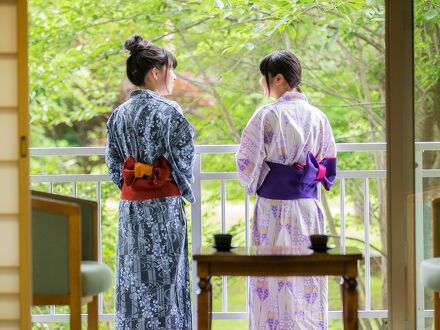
[278, 93]
[150, 86]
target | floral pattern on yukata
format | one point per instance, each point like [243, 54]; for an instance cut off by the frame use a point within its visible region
[283, 132]
[152, 270]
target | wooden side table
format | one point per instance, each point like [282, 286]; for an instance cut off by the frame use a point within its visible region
[277, 261]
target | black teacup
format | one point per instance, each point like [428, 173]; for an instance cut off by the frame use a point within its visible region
[222, 241]
[318, 241]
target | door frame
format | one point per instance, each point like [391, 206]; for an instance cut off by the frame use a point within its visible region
[400, 163]
[23, 166]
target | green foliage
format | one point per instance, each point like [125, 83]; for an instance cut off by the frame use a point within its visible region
[77, 76]
[77, 62]
[427, 54]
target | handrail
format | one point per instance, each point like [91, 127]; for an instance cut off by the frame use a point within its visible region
[196, 211]
[226, 148]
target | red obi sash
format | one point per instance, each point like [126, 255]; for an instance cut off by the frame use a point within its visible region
[145, 181]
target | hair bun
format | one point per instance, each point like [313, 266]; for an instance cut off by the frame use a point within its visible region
[136, 44]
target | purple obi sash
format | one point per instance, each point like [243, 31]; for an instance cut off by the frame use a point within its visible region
[298, 181]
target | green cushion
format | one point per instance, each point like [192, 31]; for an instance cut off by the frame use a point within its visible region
[49, 248]
[95, 277]
[430, 273]
[88, 211]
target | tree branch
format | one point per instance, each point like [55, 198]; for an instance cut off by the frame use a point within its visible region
[214, 92]
[179, 30]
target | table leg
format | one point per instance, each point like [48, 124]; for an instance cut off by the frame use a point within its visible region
[204, 304]
[436, 310]
[350, 303]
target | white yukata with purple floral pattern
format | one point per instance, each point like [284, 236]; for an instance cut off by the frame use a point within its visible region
[283, 132]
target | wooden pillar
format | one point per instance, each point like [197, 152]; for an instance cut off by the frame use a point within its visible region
[400, 163]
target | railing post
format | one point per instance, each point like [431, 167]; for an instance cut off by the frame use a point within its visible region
[419, 220]
[196, 230]
[367, 245]
[99, 202]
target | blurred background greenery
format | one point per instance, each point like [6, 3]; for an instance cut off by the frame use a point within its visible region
[77, 77]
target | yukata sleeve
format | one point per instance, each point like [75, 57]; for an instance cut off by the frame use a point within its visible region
[251, 154]
[328, 142]
[328, 154]
[113, 159]
[180, 153]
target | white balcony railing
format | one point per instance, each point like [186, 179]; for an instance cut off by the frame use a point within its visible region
[223, 177]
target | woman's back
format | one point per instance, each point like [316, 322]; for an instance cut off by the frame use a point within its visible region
[146, 127]
[282, 132]
[142, 124]
[293, 127]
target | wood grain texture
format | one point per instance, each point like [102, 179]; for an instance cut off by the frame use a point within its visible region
[277, 261]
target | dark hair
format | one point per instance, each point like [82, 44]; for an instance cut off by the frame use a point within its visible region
[283, 62]
[145, 56]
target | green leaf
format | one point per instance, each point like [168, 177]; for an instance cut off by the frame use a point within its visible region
[433, 13]
[220, 4]
[250, 45]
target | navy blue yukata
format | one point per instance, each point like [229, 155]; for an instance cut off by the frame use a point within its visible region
[152, 271]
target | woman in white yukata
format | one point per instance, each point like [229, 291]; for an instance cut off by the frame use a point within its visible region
[286, 150]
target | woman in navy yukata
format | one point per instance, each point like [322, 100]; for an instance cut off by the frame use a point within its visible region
[150, 155]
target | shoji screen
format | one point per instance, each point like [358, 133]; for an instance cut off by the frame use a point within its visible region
[14, 210]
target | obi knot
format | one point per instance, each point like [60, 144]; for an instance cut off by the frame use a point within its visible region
[141, 170]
